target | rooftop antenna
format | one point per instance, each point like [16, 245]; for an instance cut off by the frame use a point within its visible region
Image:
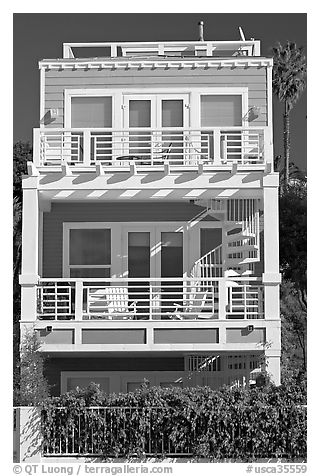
[241, 34]
[200, 24]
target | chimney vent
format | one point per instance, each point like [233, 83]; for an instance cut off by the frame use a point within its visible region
[200, 24]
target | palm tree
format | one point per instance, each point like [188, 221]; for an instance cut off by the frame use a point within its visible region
[288, 83]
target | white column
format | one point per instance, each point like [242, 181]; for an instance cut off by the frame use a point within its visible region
[271, 277]
[273, 366]
[30, 239]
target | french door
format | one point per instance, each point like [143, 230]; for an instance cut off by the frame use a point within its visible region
[154, 252]
[145, 115]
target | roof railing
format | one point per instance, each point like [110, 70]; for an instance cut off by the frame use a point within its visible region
[167, 48]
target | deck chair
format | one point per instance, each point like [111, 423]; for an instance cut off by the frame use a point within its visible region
[110, 302]
[195, 308]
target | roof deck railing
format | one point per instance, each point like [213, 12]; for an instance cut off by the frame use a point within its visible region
[163, 48]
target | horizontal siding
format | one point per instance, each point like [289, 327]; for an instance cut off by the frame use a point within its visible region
[103, 212]
[57, 81]
[53, 366]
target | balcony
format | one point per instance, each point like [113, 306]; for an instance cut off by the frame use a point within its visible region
[151, 299]
[178, 147]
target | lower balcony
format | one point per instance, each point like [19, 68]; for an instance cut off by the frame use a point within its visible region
[136, 299]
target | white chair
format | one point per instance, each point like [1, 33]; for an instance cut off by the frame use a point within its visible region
[196, 307]
[110, 302]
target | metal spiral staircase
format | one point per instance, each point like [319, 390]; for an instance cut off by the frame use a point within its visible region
[240, 250]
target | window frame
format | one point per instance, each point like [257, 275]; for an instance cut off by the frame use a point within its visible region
[66, 245]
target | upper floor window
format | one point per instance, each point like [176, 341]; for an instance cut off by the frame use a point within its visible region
[221, 110]
[91, 111]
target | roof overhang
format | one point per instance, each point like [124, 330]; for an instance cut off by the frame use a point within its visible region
[134, 63]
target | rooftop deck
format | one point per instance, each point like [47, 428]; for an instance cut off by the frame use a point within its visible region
[162, 48]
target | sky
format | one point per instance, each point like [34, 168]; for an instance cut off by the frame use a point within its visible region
[40, 35]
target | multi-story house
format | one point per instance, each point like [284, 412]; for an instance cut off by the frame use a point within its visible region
[150, 216]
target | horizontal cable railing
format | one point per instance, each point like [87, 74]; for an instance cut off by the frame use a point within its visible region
[150, 299]
[149, 147]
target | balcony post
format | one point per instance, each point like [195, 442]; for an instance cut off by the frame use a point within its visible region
[222, 298]
[78, 300]
[217, 157]
[30, 243]
[37, 148]
[86, 148]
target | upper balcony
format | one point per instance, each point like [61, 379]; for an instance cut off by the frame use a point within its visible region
[177, 147]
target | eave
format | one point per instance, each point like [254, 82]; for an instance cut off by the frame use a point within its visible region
[127, 64]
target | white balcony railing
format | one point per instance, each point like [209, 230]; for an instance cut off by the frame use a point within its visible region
[150, 299]
[149, 147]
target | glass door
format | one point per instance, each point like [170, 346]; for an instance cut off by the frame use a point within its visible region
[139, 118]
[152, 255]
[171, 267]
[147, 116]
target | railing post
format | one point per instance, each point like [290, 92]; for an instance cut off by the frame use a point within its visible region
[86, 148]
[217, 157]
[37, 147]
[222, 287]
[78, 301]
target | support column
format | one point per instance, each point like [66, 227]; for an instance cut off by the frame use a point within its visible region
[273, 365]
[271, 276]
[30, 244]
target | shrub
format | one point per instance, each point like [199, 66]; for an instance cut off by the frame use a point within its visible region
[237, 424]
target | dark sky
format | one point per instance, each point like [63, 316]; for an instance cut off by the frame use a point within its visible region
[40, 35]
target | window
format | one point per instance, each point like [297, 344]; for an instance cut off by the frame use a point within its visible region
[83, 382]
[89, 252]
[91, 111]
[221, 110]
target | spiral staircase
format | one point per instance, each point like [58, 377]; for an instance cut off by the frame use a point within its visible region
[240, 248]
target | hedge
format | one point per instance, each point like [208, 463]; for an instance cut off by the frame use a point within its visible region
[238, 424]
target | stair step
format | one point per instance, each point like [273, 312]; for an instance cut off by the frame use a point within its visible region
[239, 236]
[230, 225]
[240, 261]
[240, 248]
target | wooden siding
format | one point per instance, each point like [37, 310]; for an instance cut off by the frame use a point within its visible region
[103, 212]
[54, 366]
[57, 81]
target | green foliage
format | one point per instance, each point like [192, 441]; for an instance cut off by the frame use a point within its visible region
[30, 386]
[22, 153]
[293, 237]
[294, 330]
[288, 83]
[289, 72]
[237, 424]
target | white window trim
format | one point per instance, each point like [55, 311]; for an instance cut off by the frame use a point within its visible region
[70, 93]
[119, 95]
[66, 239]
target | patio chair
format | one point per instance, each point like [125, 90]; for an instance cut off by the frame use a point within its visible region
[195, 308]
[110, 302]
